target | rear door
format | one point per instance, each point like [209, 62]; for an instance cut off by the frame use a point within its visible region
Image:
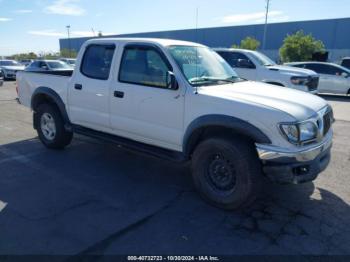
[241, 63]
[142, 107]
[89, 89]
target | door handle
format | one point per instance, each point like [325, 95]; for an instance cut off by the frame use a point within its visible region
[78, 86]
[119, 94]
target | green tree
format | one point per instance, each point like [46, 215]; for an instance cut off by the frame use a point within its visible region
[68, 53]
[21, 56]
[249, 43]
[300, 47]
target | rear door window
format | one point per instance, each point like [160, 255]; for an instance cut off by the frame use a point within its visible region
[233, 58]
[97, 61]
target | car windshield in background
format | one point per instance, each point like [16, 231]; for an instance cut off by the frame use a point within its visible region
[9, 63]
[58, 65]
[202, 66]
[263, 59]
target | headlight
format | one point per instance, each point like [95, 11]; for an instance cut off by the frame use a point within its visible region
[299, 80]
[308, 131]
[301, 132]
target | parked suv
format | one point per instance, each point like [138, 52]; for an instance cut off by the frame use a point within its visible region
[253, 65]
[181, 101]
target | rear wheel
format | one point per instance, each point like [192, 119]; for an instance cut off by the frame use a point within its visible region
[50, 127]
[227, 172]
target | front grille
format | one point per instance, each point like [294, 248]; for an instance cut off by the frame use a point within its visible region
[327, 121]
[313, 83]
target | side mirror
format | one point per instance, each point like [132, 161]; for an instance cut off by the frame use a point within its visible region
[244, 63]
[171, 82]
[45, 67]
[345, 75]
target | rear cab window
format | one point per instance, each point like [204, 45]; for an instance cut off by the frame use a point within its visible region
[97, 61]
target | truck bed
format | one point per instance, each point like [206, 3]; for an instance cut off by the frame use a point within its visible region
[28, 82]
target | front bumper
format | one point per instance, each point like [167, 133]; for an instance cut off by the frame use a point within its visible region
[10, 75]
[295, 167]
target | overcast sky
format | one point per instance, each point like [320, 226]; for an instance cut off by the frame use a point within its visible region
[36, 25]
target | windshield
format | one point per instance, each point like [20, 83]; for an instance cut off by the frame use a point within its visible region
[58, 65]
[263, 59]
[202, 66]
[9, 63]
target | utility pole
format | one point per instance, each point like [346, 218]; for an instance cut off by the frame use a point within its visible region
[266, 18]
[68, 33]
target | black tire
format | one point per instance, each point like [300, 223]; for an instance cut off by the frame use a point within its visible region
[62, 137]
[238, 165]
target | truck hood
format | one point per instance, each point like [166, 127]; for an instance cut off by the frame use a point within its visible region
[294, 71]
[298, 104]
[15, 68]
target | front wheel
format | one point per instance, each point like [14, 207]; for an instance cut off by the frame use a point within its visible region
[50, 127]
[227, 172]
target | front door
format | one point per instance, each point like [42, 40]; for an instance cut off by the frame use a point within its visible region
[143, 108]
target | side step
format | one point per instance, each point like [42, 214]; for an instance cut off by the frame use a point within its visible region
[132, 145]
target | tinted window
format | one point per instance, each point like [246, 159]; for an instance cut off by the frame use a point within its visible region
[43, 65]
[58, 65]
[325, 69]
[233, 58]
[144, 66]
[34, 64]
[97, 61]
[346, 63]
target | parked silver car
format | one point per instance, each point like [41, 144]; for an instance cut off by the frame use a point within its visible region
[47, 65]
[334, 78]
[10, 68]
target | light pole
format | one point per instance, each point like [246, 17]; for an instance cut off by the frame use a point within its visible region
[265, 27]
[68, 33]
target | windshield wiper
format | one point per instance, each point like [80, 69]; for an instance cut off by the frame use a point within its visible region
[232, 79]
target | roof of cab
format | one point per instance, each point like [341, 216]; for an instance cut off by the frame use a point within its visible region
[159, 41]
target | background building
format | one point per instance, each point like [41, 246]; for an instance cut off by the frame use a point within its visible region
[335, 34]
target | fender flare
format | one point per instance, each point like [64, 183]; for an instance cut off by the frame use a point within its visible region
[52, 96]
[237, 125]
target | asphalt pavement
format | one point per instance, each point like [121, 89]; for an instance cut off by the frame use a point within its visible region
[96, 198]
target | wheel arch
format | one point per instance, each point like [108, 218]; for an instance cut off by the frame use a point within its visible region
[47, 95]
[215, 125]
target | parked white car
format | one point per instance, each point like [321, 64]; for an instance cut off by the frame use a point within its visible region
[253, 65]
[10, 68]
[334, 79]
[182, 101]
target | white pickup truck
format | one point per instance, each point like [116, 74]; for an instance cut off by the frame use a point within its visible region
[181, 101]
[255, 66]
